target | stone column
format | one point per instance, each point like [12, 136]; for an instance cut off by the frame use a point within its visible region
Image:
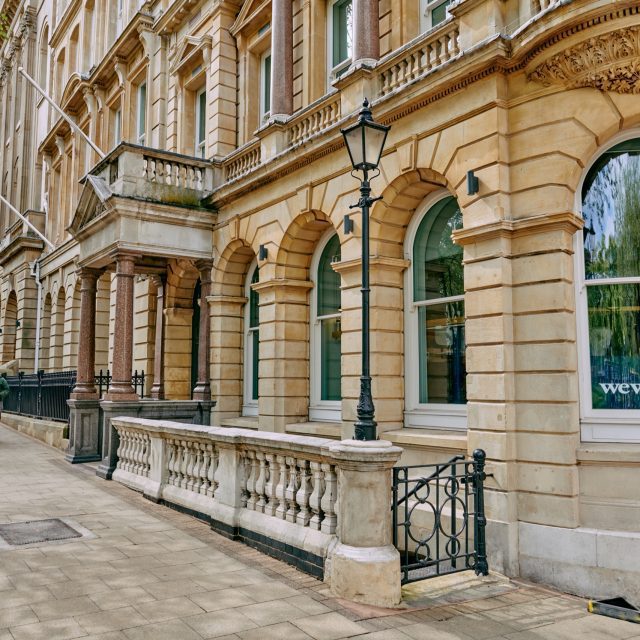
[120, 388]
[202, 390]
[85, 383]
[366, 33]
[282, 58]
[157, 390]
[365, 566]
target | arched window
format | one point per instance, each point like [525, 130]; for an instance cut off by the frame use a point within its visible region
[326, 344]
[435, 376]
[609, 322]
[251, 344]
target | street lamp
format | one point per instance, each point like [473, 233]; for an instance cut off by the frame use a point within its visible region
[365, 140]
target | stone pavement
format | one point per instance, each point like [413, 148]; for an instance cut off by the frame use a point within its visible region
[146, 572]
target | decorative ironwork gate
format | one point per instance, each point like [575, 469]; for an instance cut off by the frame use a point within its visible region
[438, 518]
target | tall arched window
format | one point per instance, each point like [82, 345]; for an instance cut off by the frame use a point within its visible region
[251, 344]
[435, 376]
[609, 322]
[326, 344]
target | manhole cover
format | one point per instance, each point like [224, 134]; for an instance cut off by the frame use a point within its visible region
[19, 533]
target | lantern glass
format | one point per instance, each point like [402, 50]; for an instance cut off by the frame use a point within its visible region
[365, 141]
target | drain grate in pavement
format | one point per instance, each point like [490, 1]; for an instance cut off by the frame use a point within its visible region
[19, 533]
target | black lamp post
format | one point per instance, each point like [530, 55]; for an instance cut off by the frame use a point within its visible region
[365, 140]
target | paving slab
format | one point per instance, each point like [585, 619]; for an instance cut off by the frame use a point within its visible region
[149, 572]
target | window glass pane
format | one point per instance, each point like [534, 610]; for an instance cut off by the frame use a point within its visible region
[255, 364]
[342, 31]
[614, 344]
[330, 360]
[328, 281]
[266, 87]
[254, 309]
[439, 13]
[437, 271]
[442, 353]
[202, 115]
[611, 211]
[142, 109]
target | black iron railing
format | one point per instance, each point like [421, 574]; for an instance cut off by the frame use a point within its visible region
[438, 518]
[45, 395]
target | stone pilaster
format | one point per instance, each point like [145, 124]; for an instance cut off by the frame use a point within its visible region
[366, 32]
[227, 337]
[202, 390]
[284, 352]
[157, 389]
[282, 58]
[120, 388]
[85, 383]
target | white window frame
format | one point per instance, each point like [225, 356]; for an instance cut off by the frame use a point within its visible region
[598, 425]
[141, 105]
[249, 405]
[119, 16]
[319, 410]
[200, 145]
[333, 72]
[426, 12]
[264, 112]
[117, 126]
[417, 414]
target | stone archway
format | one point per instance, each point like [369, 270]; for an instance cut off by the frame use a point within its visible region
[9, 330]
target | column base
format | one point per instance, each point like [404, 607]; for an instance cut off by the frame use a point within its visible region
[202, 393]
[84, 431]
[127, 395]
[370, 575]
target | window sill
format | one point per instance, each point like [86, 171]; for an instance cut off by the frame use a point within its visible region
[443, 440]
[241, 423]
[590, 453]
[331, 430]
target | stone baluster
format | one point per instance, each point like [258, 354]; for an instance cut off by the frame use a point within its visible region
[188, 484]
[261, 483]
[292, 490]
[303, 494]
[329, 499]
[281, 487]
[204, 471]
[316, 495]
[197, 464]
[271, 484]
[211, 472]
[251, 481]
[172, 461]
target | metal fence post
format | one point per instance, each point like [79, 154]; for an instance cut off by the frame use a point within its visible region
[39, 396]
[20, 376]
[482, 566]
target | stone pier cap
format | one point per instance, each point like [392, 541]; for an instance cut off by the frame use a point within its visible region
[321, 505]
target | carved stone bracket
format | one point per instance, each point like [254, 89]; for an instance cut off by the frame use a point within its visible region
[609, 62]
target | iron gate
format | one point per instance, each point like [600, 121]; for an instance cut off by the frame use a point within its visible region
[438, 518]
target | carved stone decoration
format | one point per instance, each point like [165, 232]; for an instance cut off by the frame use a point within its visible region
[609, 62]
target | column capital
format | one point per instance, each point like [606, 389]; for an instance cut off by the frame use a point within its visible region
[204, 267]
[88, 275]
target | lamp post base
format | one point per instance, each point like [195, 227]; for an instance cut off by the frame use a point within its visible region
[365, 425]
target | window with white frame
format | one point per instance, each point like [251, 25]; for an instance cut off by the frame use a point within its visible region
[609, 298]
[433, 12]
[201, 123]
[141, 120]
[119, 16]
[265, 85]
[435, 333]
[340, 37]
[326, 343]
[117, 126]
[251, 344]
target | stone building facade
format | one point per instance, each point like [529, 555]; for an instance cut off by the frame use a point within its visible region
[208, 247]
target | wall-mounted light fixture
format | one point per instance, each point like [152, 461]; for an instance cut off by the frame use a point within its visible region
[263, 252]
[473, 184]
[348, 225]
[17, 324]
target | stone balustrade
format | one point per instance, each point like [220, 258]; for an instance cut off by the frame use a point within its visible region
[314, 119]
[419, 57]
[242, 161]
[321, 505]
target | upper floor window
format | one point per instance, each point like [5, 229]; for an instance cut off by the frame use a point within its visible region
[433, 12]
[141, 120]
[201, 123]
[265, 85]
[119, 16]
[340, 22]
[251, 344]
[117, 126]
[436, 369]
[610, 298]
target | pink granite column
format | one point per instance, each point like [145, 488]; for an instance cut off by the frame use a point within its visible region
[85, 388]
[202, 390]
[120, 388]
[281, 58]
[366, 31]
[157, 390]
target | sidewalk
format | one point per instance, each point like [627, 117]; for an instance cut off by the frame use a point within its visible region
[145, 572]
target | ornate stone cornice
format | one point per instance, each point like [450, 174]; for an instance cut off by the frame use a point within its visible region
[609, 62]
